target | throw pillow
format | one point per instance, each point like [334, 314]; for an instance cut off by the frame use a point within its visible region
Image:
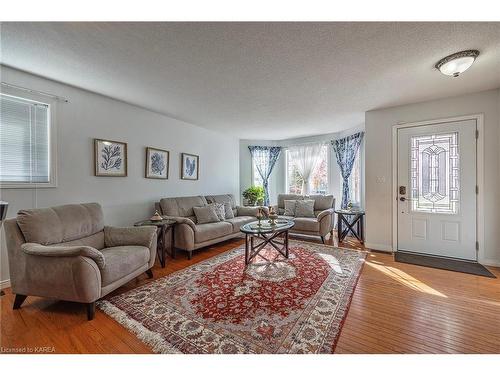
[290, 207]
[205, 214]
[219, 210]
[304, 208]
[228, 210]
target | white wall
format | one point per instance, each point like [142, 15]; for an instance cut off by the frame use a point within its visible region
[277, 179]
[124, 199]
[378, 159]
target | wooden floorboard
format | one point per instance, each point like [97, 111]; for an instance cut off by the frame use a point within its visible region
[396, 308]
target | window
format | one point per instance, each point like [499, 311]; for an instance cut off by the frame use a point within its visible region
[25, 145]
[318, 179]
[256, 180]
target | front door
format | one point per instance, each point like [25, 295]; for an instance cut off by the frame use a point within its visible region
[437, 189]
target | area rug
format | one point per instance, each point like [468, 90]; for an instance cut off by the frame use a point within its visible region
[273, 305]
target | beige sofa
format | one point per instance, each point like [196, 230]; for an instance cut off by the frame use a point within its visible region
[67, 253]
[189, 235]
[321, 224]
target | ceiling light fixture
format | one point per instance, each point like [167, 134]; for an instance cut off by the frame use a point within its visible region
[457, 63]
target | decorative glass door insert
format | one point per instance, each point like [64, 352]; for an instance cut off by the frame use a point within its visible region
[435, 173]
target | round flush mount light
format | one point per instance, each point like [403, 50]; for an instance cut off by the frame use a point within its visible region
[457, 63]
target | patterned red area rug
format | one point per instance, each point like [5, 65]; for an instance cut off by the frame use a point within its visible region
[274, 305]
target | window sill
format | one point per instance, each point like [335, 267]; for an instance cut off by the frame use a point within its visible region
[27, 185]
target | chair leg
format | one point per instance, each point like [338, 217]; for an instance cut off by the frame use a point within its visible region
[18, 301]
[90, 310]
[190, 255]
[149, 273]
[323, 239]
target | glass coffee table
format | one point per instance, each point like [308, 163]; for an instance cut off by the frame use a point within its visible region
[274, 235]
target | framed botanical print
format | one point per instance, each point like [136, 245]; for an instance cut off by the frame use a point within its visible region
[157, 163]
[190, 166]
[110, 158]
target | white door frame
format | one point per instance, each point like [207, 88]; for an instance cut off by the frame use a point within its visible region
[479, 175]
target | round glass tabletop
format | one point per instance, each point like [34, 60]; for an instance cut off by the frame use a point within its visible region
[265, 227]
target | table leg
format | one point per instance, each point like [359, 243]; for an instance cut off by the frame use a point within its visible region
[362, 229]
[172, 243]
[339, 227]
[246, 248]
[162, 245]
[286, 244]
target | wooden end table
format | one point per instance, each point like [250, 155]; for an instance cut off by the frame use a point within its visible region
[350, 219]
[163, 227]
[269, 234]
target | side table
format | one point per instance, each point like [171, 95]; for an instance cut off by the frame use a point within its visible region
[350, 219]
[163, 227]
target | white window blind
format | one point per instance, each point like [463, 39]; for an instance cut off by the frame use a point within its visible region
[24, 141]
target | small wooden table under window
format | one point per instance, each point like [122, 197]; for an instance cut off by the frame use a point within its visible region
[354, 222]
[163, 227]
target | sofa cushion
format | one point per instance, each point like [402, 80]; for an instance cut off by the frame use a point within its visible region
[248, 211]
[122, 261]
[222, 198]
[290, 205]
[283, 197]
[307, 224]
[304, 208]
[210, 231]
[228, 211]
[322, 202]
[181, 206]
[57, 224]
[238, 221]
[206, 214]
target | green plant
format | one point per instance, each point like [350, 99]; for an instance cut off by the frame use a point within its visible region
[254, 194]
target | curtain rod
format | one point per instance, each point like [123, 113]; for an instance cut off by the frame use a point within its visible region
[35, 92]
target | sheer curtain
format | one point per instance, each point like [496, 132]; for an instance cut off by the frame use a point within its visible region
[306, 159]
[264, 158]
[346, 150]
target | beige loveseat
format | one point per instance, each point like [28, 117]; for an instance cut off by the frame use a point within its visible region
[67, 253]
[321, 224]
[189, 235]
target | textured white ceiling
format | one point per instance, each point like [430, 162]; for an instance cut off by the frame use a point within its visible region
[257, 80]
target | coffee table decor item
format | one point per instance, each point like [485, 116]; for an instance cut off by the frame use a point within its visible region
[257, 237]
[110, 158]
[164, 226]
[156, 217]
[220, 305]
[273, 216]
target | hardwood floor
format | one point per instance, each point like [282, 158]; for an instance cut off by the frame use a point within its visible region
[396, 308]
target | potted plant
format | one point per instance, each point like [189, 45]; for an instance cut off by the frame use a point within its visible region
[254, 195]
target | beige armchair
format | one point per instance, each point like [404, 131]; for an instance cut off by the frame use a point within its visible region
[67, 253]
[324, 212]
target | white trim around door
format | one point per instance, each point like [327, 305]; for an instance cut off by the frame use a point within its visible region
[479, 176]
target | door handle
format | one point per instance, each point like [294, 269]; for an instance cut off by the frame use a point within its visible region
[402, 199]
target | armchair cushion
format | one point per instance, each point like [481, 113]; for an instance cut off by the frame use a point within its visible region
[122, 261]
[138, 236]
[306, 224]
[65, 251]
[304, 208]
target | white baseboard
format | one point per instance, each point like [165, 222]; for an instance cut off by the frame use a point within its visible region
[378, 247]
[490, 262]
[5, 284]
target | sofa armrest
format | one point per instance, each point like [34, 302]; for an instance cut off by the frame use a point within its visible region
[65, 251]
[182, 220]
[130, 236]
[325, 213]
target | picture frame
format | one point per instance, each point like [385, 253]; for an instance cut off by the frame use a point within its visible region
[157, 163]
[110, 158]
[190, 166]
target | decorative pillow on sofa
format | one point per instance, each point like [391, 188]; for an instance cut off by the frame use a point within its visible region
[304, 208]
[228, 210]
[206, 214]
[219, 210]
[290, 206]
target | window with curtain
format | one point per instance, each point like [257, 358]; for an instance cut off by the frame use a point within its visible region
[256, 179]
[24, 141]
[355, 180]
[313, 157]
